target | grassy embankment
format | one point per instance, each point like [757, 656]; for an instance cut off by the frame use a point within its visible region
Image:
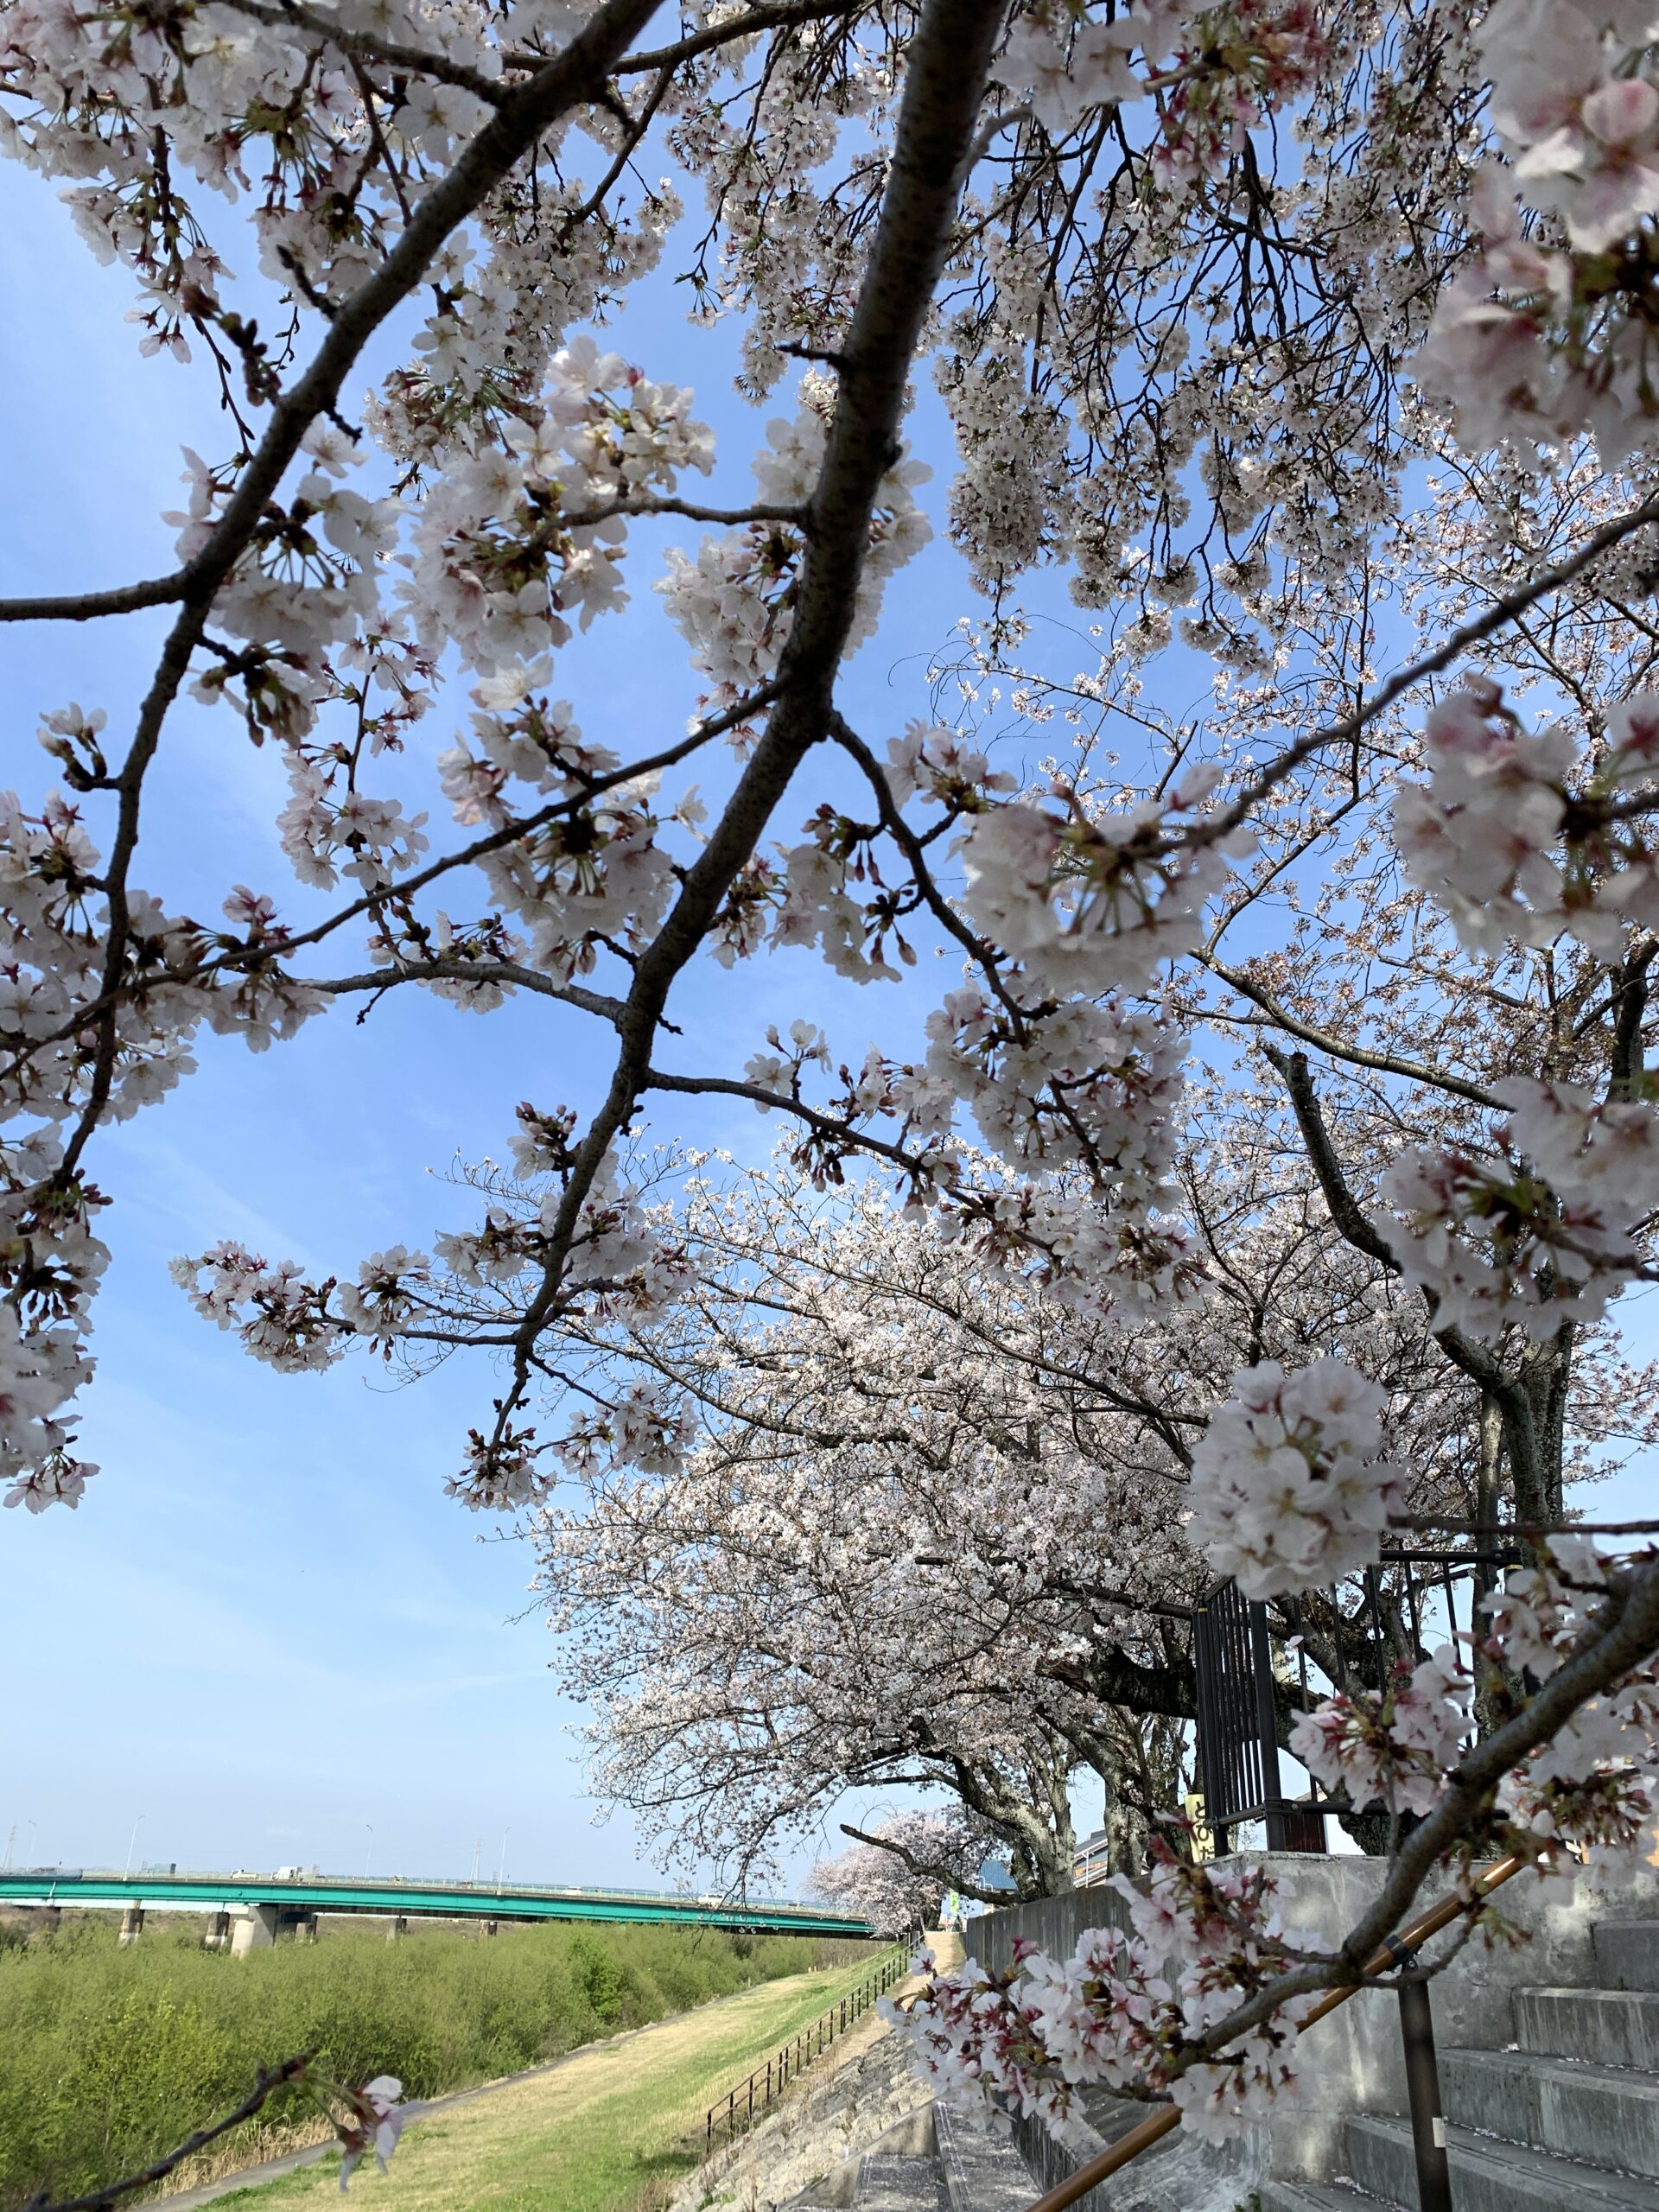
[610, 2130]
[110, 2056]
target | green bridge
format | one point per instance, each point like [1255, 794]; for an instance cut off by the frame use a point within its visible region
[295, 1898]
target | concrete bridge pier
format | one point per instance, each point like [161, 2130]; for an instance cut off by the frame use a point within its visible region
[399, 1927]
[217, 1935]
[253, 1928]
[132, 1924]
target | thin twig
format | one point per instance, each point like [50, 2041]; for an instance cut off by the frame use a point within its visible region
[1433, 1522]
[1502, 610]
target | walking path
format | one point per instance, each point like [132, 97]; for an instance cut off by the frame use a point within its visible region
[601, 2128]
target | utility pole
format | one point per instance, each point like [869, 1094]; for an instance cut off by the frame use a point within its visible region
[10, 1838]
[501, 1872]
[477, 1847]
[368, 1849]
[131, 1841]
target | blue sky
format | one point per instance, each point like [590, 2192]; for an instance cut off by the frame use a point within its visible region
[267, 1636]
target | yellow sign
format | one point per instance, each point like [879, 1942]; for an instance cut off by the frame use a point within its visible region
[1203, 1844]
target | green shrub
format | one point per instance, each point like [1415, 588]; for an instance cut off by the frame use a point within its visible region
[109, 2057]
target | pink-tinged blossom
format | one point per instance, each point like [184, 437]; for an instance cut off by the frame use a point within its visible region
[1123, 2011]
[1395, 1750]
[1066, 76]
[1534, 347]
[1096, 902]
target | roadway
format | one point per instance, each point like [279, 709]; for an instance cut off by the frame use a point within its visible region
[307, 1894]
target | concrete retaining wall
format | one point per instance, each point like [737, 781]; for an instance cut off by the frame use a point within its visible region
[1353, 2059]
[1052, 1923]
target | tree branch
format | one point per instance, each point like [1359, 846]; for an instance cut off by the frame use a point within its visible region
[782, 17]
[1501, 611]
[265, 2086]
[86, 606]
[949, 60]
[368, 45]
[1323, 1040]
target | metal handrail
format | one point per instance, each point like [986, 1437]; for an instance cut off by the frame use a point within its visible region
[1392, 1952]
[813, 2039]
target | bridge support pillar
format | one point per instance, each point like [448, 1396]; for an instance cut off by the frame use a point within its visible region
[490, 1927]
[132, 1923]
[217, 1935]
[305, 1931]
[253, 1928]
[399, 1927]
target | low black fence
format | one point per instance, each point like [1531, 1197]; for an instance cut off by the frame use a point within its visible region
[740, 2105]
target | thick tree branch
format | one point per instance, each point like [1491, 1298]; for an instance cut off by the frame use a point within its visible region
[950, 59]
[84, 607]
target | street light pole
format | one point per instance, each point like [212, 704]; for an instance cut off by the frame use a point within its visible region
[501, 1870]
[131, 1841]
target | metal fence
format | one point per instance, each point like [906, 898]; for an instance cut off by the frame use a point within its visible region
[740, 2107]
[1249, 1664]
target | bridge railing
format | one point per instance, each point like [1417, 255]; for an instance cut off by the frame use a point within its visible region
[739, 2107]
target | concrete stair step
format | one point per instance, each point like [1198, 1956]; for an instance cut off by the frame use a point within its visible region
[1610, 2027]
[1606, 2115]
[1109, 2116]
[887, 2183]
[1490, 2175]
[982, 2172]
[1317, 2196]
[1627, 1951]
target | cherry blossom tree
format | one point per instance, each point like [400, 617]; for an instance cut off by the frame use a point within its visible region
[896, 1873]
[468, 182]
[857, 1508]
[1203, 290]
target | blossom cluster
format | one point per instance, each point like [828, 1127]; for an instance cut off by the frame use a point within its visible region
[733, 603]
[1128, 2010]
[1394, 1750]
[1289, 1486]
[1545, 334]
[509, 545]
[1096, 900]
[1519, 837]
[1539, 1232]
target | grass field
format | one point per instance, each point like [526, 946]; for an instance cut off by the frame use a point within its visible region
[607, 2131]
[112, 2056]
